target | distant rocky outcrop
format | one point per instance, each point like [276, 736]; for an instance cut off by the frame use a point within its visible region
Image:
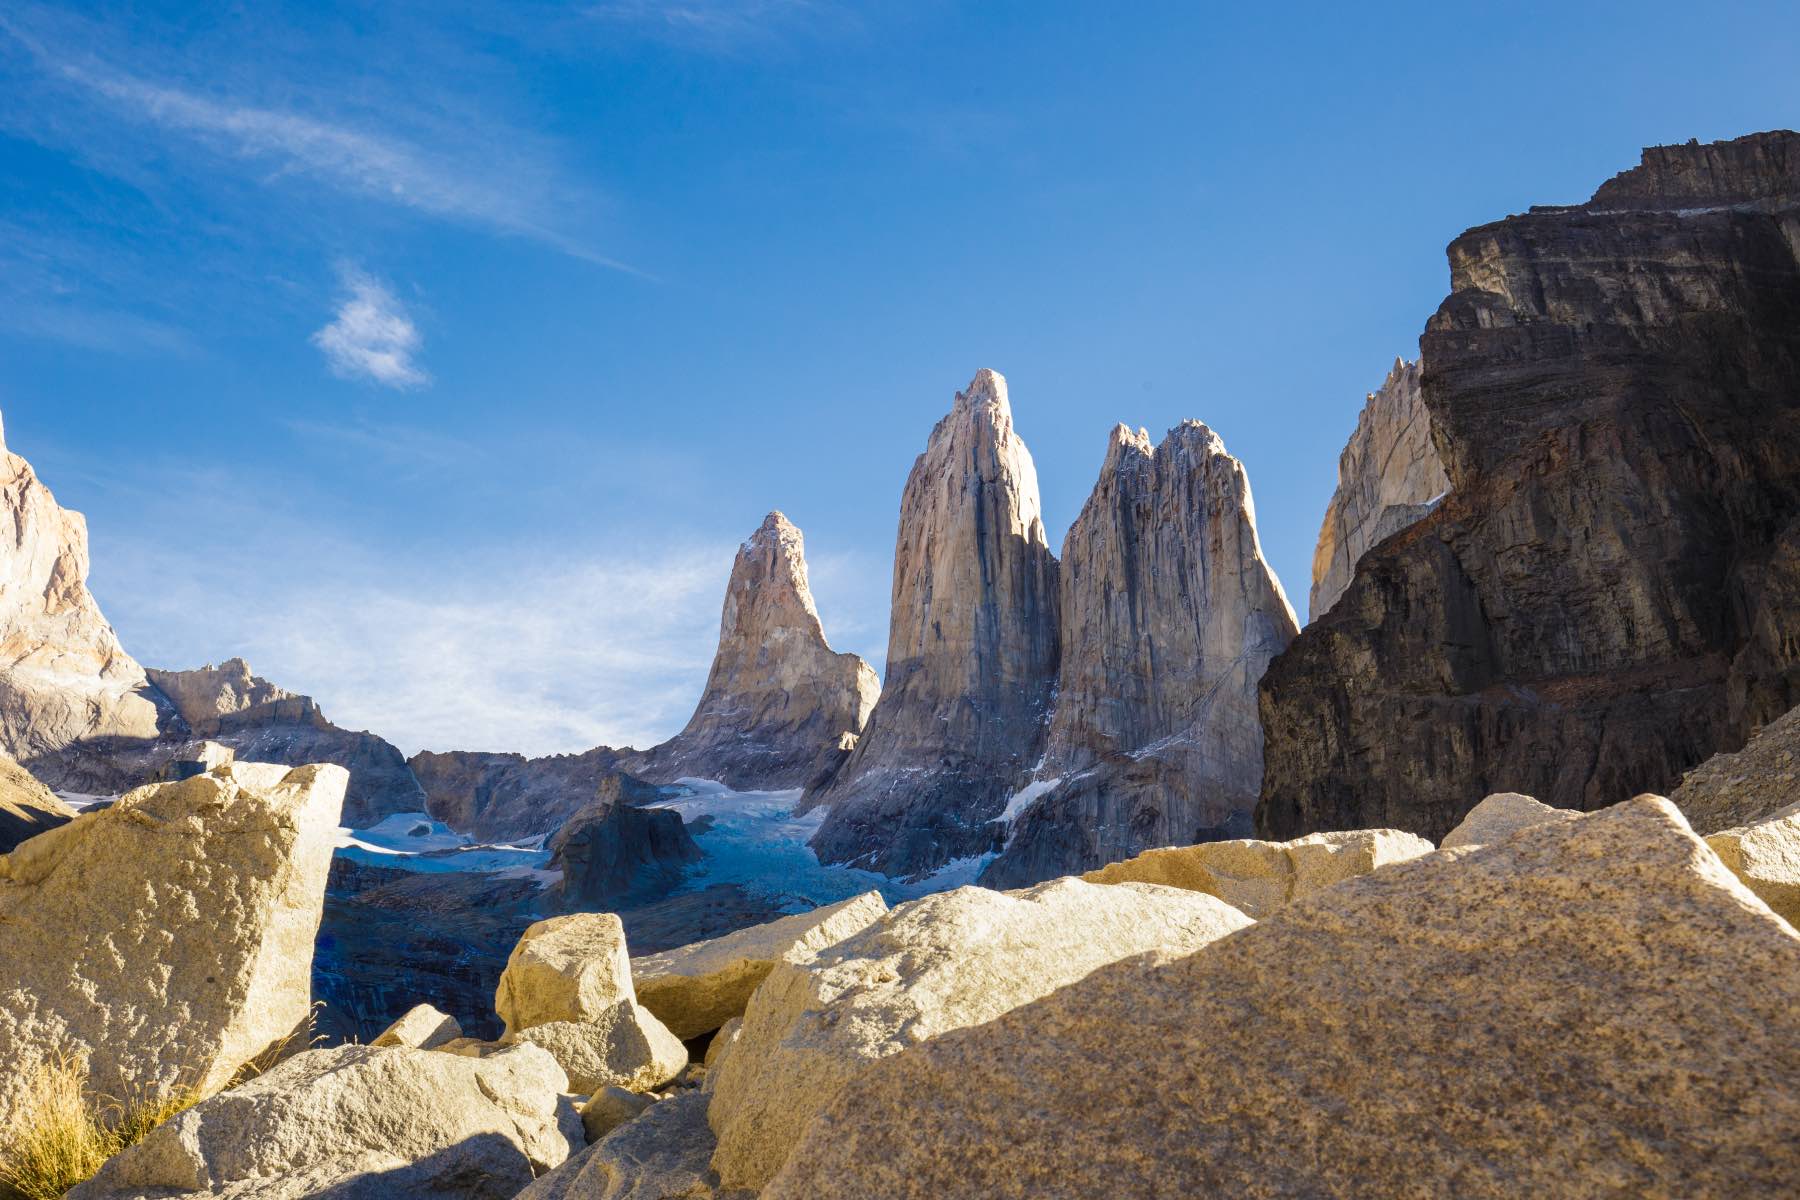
[1610, 593]
[778, 696]
[496, 797]
[167, 940]
[1388, 477]
[972, 654]
[1170, 615]
[613, 853]
[27, 807]
[1748, 785]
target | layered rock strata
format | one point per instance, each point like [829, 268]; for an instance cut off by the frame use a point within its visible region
[1743, 787]
[1389, 476]
[972, 654]
[1608, 595]
[612, 853]
[1169, 615]
[496, 797]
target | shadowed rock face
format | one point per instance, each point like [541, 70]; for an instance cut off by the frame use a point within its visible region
[27, 807]
[612, 852]
[972, 653]
[1388, 477]
[499, 796]
[1169, 618]
[778, 696]
[1609, 593]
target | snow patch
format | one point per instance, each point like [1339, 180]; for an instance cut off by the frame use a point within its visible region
[1024, 798]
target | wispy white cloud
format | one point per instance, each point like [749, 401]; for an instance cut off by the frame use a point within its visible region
[710, 24]
[371, 337]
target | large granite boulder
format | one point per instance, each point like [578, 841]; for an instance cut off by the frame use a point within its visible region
[697, 988]
[1766, 856]
[1389, 476]
[972, 654]
[930, 966]
[778, 695]
[27, 807]
[1499, 817]
[1741, 788]
[662, 1155]
[1610, 593]
[167, 940]
[612, 853]
[360, 1123]
[1169, 617]
[1592, 1008]
[1261, 878]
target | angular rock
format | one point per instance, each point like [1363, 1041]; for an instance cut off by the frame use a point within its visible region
[1389, 476]
[611, 1107]
[167, 939]
[662, 1155]
[496, 797]
[930, 966]
[1766, 856]
[1260, 878]
[1742, 788]
[1169, 618]
[360, 1123]
[422, 1028]
[611, 853]
[1610, 593]
[1592, 1008]
[696, 989]
[777, 696]
[623, 1046]
[27, 807]
[1499, 817]
[972, 654]
[722, 1041]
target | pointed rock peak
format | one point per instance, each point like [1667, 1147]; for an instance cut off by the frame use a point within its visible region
[1126, 443]
[776, 529]
[986, 393]
[1193, 435]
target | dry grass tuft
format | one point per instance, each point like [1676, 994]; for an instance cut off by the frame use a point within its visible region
[62, 1133]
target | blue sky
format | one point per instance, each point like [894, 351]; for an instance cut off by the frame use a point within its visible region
[435, 356]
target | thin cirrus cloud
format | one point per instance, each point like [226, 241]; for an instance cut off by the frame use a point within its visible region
[718, 25]
[371, 337]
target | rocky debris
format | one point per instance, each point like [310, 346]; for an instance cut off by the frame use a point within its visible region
[567, 988]
[1261, 878]
[972, 654]
[662, 1155]
[1766, 856]
[360, 1122]
[27, 807]
[611, 1107]
[1729, 790]
[423, 1028]
[612, 853]
[777, 696]
[932, 965]
[1499, 817]
[166, 939]
[1610, 593]
[1594, 1007]
[1389, 476]
[1169, 618]
[698, 988]
[501, 797]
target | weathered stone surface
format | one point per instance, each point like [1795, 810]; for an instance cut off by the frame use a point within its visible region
[609, 1108]
[1169, 618]
[1729, 790]
[611, 854]
[1610, 593]
[622, 1046]
[423, 1028]
[167, 939]
[1766, 856]
[696, 989]
[722, 1041]
[1389, 476]
[929, 966]
[1499, 817]
[972, 654]
[360, 1123]
[27, 807]
[778, 695]
[1260, 878]
[1593, 1008]
[663, 1155]
[495, 797]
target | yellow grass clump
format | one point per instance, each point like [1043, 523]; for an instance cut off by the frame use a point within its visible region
[62, 1133]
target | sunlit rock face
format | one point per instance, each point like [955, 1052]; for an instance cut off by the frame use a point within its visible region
[778, 696]
[1388, 477]
[1610, 593]
[1169, 617]
[972, 653]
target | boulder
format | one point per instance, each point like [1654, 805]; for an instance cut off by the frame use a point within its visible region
[623, 1046]
[423, 1028]
[1262, 877]
[722, 1041]
[612, 854]
[1744, 787]
[360, 1123]
[1766, 856]
[1499, 817]
[27, 807]
[662, 1155]
[1593, 1007]
[929, 966]
[168, 939]
[611, 1107]
[697, 988]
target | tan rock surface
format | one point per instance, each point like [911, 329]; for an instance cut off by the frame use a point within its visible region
[1595, 1008]
[1500, 816]
[697, 988]
[662, 1155]
[27, 807]
[1766, 856]
[1729, 790]
[1260, 878]
[611, 1107]
[422, 1027]
[167, 939]
[932, 965]
[623, 1046]
[364, 1122]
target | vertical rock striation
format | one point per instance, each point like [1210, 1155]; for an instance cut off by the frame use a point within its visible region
[778, 697]
[1388, 477]
[1169, 618]
[1608, 594]
[972, 653]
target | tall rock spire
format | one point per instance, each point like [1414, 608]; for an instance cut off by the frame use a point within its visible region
[972, 653]
[778, 699]
[1170, 615]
